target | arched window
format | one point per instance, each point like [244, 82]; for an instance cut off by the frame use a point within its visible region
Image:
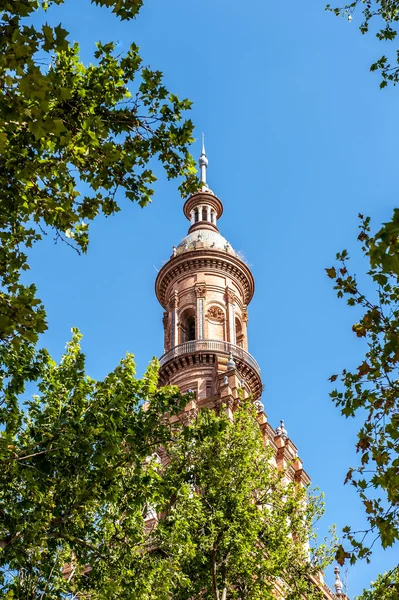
[187, 325]
[239, 333]
[196, 215]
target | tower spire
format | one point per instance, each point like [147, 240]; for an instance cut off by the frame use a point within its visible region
[203, 161]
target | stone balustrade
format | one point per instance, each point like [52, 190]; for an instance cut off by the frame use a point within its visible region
[210, 346]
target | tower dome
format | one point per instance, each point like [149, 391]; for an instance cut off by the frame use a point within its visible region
[207, 238]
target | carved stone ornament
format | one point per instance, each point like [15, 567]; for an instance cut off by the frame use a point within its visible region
[200, 291]
[245, 315]
[173, 301]
[230, 296]
[165, 319]
[258, 406]
[215, 313]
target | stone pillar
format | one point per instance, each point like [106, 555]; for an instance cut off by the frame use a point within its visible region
[231, 329]
[245, 328]
[200, 292]
[165, 322]
[192, 217]
[173, 304]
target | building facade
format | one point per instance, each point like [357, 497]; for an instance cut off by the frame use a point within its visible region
[205, 289]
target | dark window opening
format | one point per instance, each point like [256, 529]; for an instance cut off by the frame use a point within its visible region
[191, 328]
[187, 325]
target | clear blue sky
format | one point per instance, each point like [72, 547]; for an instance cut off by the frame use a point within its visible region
[299, 139]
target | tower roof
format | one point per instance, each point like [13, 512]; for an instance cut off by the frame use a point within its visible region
[204, 238]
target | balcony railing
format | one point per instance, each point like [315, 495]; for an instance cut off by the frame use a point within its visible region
[210, 346]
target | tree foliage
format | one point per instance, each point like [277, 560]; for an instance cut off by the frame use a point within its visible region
[75, 482]
[71, 136]
[67, 127]
[232, 526]
[371, 392]
[81, 473]
[385, 16]
[385, 587]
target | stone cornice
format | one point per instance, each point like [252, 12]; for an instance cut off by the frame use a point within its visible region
[192, 360]
[205, 259]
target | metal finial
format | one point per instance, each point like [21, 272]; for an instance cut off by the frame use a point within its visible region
[338, 583]
[203, 162]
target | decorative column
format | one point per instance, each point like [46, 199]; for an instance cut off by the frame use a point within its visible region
[192, 217]
[230, 312]
[173, 304]
[200, 292]
[165, 321]
[245, 328]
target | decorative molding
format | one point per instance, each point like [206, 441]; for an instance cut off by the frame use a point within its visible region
[190, 355]
[245, 315]
[212, 260]
[215, 313]
[174, 300]
[230, 296]
[165, 319]
[200, 291]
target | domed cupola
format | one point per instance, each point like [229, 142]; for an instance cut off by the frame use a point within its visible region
[203, 209]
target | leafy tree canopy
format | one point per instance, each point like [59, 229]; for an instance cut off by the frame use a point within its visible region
[81, 473]
[371, 391]
[63, 123]
[386, 587]
[384, 15]
[75, 480]
[232, 526]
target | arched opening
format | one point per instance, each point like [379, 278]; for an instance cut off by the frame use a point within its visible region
[196, 215]
[187, 325]
[239, 333]
[204, 214]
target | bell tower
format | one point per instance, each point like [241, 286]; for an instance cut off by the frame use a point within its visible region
[205, 289]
